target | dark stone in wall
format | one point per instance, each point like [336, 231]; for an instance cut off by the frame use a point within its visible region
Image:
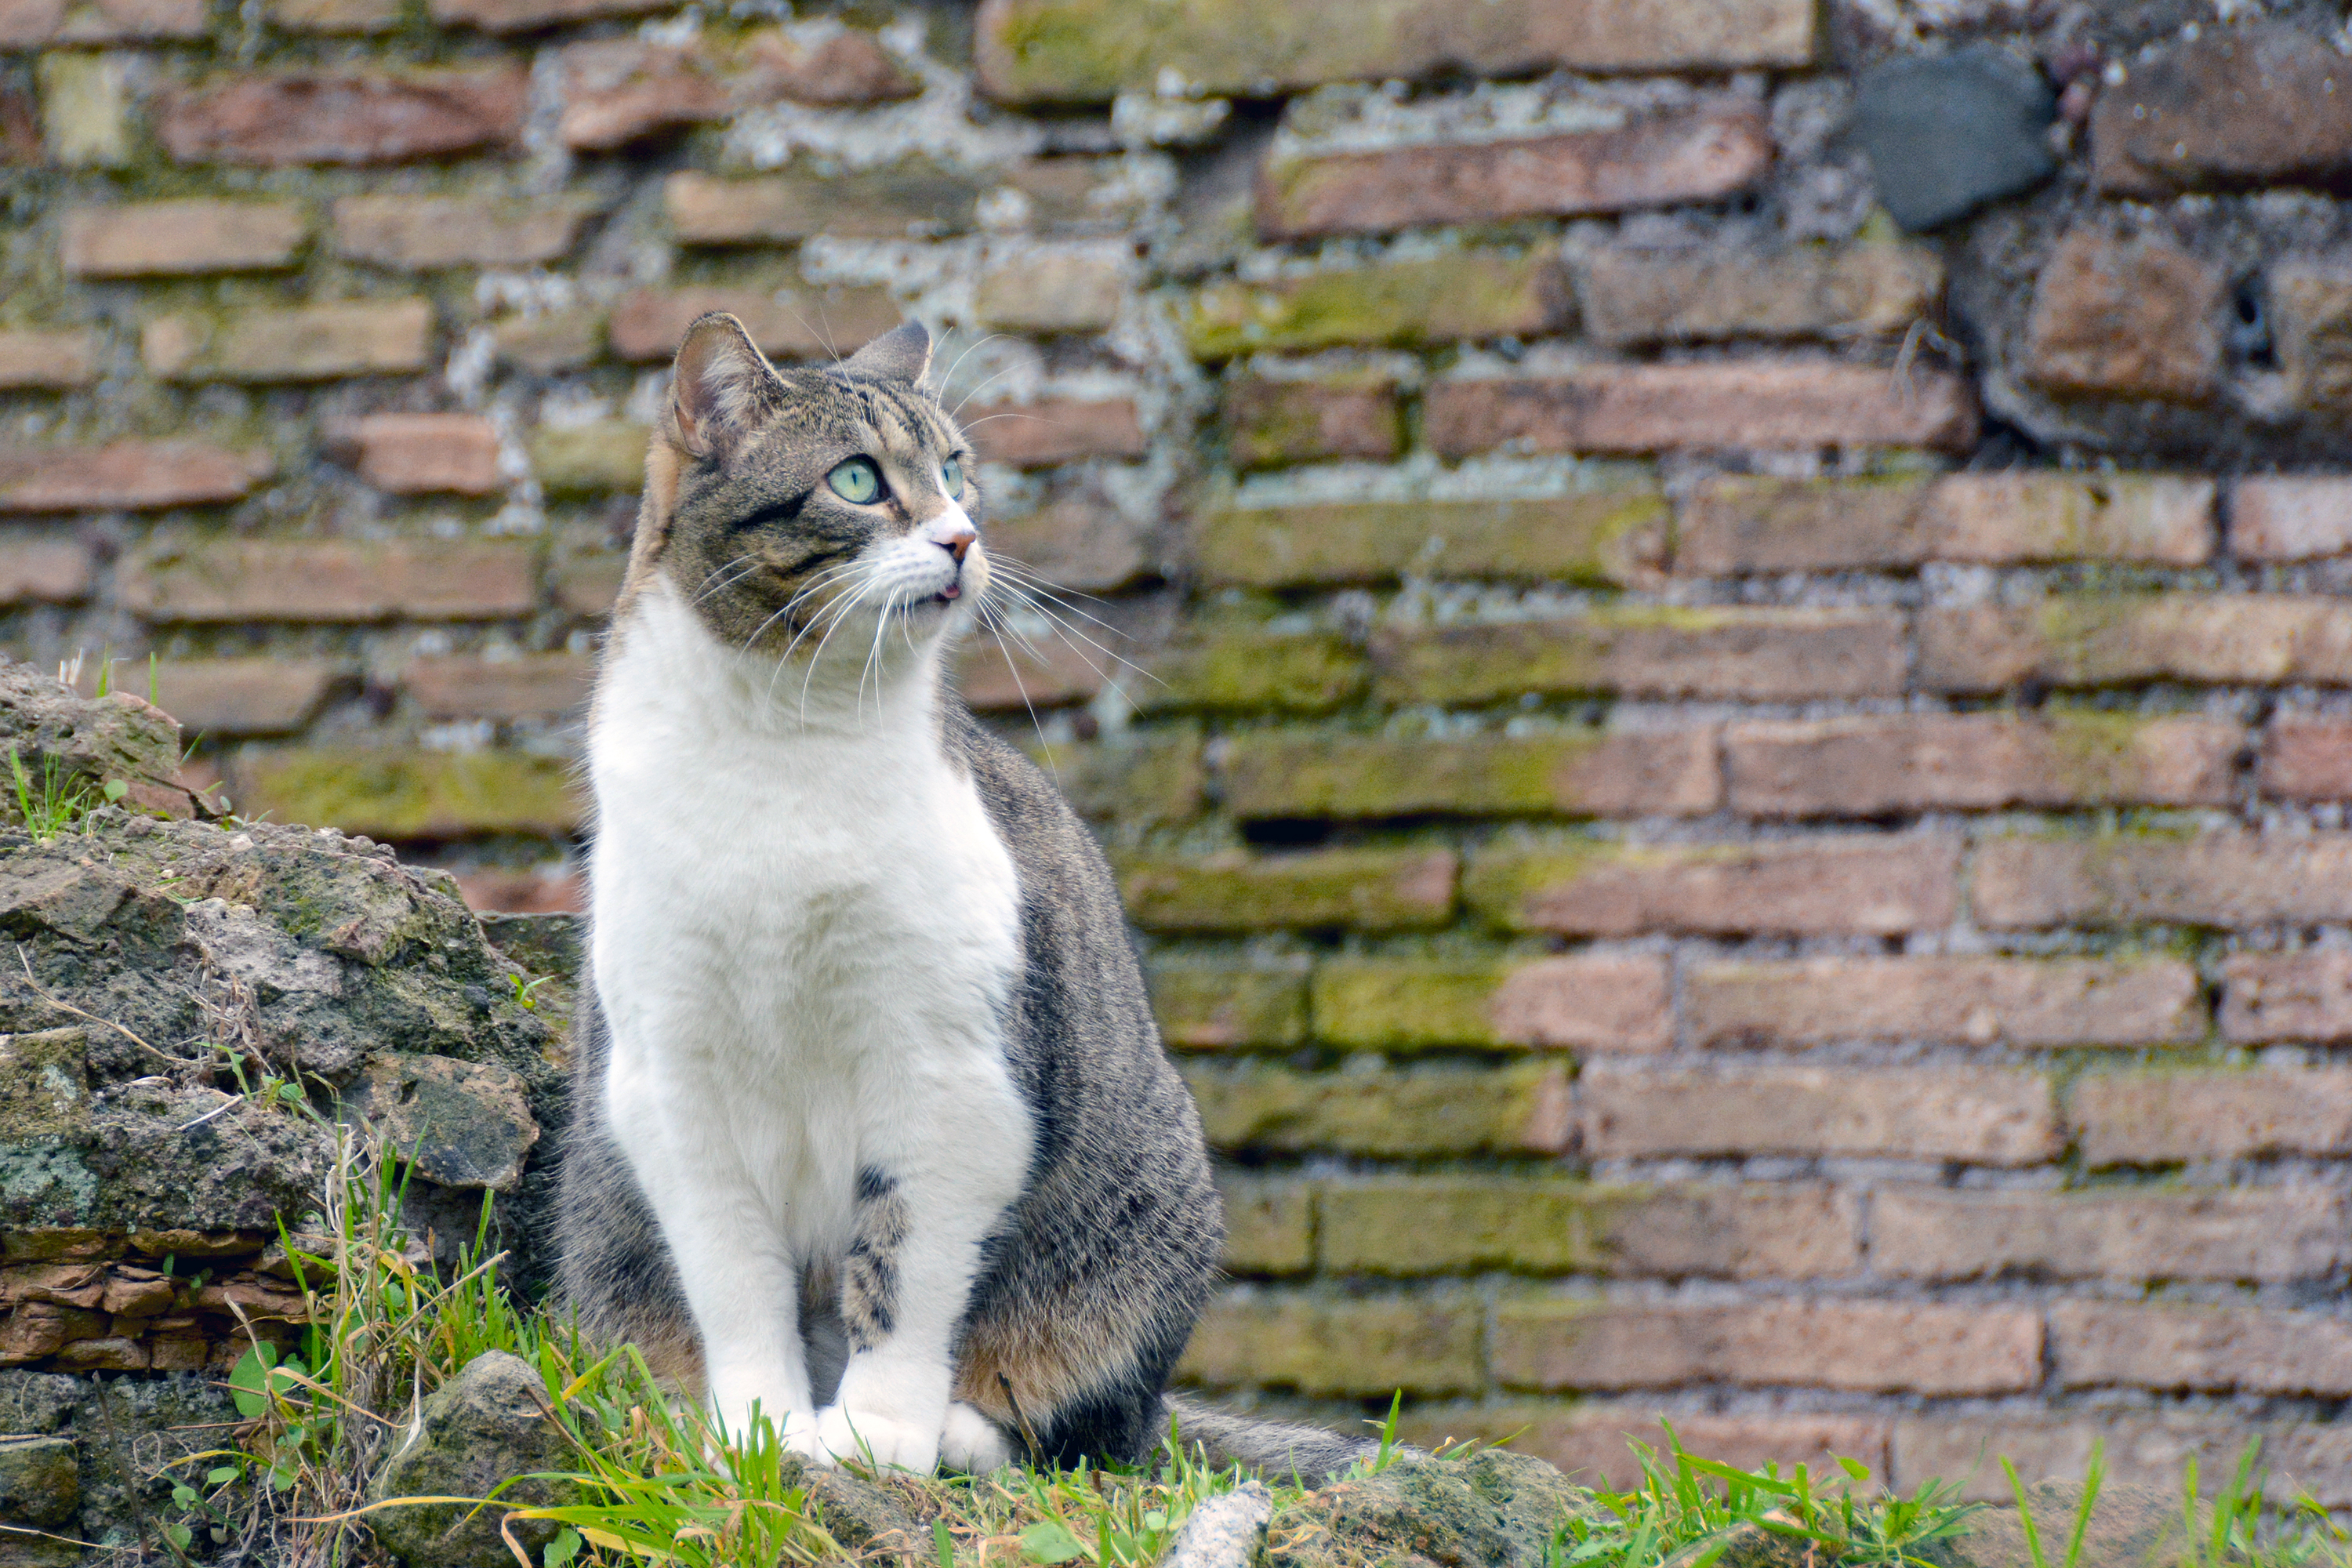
[1947, 133]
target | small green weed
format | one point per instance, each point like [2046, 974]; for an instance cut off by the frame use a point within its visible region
[57, 801]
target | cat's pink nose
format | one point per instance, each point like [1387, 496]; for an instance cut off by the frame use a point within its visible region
[957, 540]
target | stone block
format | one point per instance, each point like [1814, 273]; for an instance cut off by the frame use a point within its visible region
[596, 458]
[1755, 655]
[2219, 880]
[400, 796]
[2125, 317]
[2171, 1117]
[422, 454]
[1053, 430]
[787, 323]
[1876, 885]
[528, 686]
[2252, 639]
[2234, 108]
[2101, 1344]
[1403, 304]
[1609, 536]
[1978, 1116]
[1276, 773]
[1975, 762]
[1587, 1002]
[1356, 890]
[126, 476]
[1275, 423]
[917, 199]
[302, 342]
[1296, 672]
[1203, 1006]
[147, 239]
[332, 117]
[54, 361]
[2271, 1233]
[419, 234]
[1447, 1110]
[1641, 408]
[1316, 1344]
[1051, 291]
[2030, 1003]
[1635, 297]
[325, 581]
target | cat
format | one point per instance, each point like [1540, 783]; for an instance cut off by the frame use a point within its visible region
[873, 1130]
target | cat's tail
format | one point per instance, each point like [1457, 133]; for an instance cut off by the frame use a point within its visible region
[1278, 1450]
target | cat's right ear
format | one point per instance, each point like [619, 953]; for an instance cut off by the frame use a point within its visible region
[721, 387]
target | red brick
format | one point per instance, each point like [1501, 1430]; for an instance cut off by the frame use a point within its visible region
[217, 697]
[1681, 155]
[529, 15]
[336, 17]
[2128, 1234]
[1272, 424]
[345, 118]
[2234, 639]
[331, 580]
[422, 453]
[528, 686]
[1879, 1347]
[1441, 1109]
[306, 343]
[129, 476]
[1050, 292]
[1591, 1439]
[2098, 1345]
[2287, 996]
[2290, 517]
[1054, 430]
[44, 23]
[916, 199]
[147, 239]
[2236, 107]
[2224, 879]
[1217, 1006]
[415, 233]
[1588, 1002]
[1365, 891]
[787, 323]
[1979, 1115]
[2017, 1002]
[619, 90]
[1759, 655]
[1591, 1002]
[57, 360]
[37, 568]
[2140, 1449]
[1009, 677]
[1728, 403]
[1309, 774]
[1975, 762]
[587, 586]
[553, 343]
[2137, 318]
[2307, 759]
[1080, 540]
[2167, 1118]
[1365, 1346]
[1876, 885]
[1749, 523]
[1060, 51]
[1405, 304]
[1635, 296]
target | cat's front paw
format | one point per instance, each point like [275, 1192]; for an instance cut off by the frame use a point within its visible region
[884, 1442]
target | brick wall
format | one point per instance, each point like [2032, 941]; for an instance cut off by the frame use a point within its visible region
[1736, 808]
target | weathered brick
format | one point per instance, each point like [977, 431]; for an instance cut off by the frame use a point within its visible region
[2290, 517]
[2266, 1234]
[403, 795]
[2167, 1118]
[1219, 1007]
[2287, 996]
[304, 343]
[1448, 1224]
[218, 697]
[1982, 1116]
[1473, 294]
[1876, 885]
[551, 344]
[2097, 1344]
[1284, 773]
[1077, 194]
[587, 586]
[46, 24]
[1446, 1110]
[20, 126]
[2311, 330]
[1752, 523]
[2221, 879]
[1361, 890]
[1975, 762]
[417, 234]
[618, 90]
[1886, 1347]
[1612, 537]
[1269, 1223]
[58, 359]
[1319, 1345]
[529, 15]
[1633, 296]
[1275, 423]
[1760, 655]
[330, 580]
[606, 455]
[1066, 50]
[422, 454]
[144, 239]
[42, 568]
[1677, 155]
[523, 892]
[917, 199]
[345, 118]
[2018, 1002]
[1660, 407]
[1591, 1439]
[2236, 107]
[1083, 540]
[787, 323]
[2130, 318]
[2139, 1449]
[1010, 676]
[525, 687]
[2114, 639]
[1589, 1002]
[130, 476]
[2307, 759]
[2011, 519]
[1054, 430]
[1051, 291]
[1296, 672]
[360, 17]
[1141, 779]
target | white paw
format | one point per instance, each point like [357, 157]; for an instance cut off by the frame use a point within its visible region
[799, 1433]
[972, 1443]
[883, 1441]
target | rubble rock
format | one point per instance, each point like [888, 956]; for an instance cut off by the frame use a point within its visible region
[485, 1426]
[1492, 1509]
[65, 742]
[1947, 133]
[462, 1124]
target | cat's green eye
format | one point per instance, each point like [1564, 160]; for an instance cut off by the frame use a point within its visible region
[951, 477]
[856, 480]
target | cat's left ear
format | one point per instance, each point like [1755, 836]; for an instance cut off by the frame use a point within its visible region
[721, 388]
[903, 354]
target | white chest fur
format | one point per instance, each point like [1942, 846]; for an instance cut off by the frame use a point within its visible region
[805, 934]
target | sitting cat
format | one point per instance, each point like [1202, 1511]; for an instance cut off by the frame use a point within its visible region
[872, 1129]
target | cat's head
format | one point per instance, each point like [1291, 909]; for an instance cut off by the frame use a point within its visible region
[784, 505]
